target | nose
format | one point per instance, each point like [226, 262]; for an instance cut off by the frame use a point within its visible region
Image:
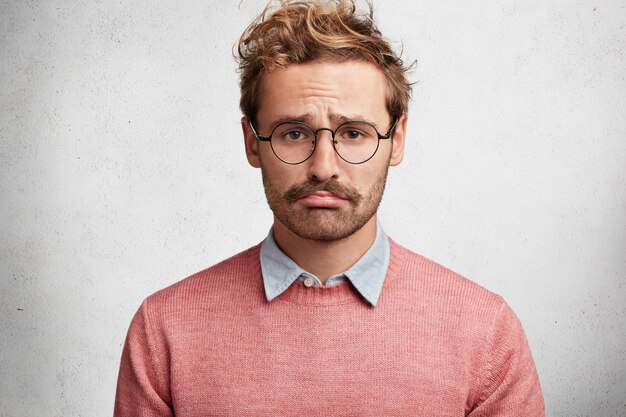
[324, 163]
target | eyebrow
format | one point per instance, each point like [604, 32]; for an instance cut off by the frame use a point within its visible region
[340, 118]
[308, 117]
[303, 118]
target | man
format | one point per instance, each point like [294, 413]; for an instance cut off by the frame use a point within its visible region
[327, 316]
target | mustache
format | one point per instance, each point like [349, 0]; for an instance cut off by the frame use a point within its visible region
[298, 191]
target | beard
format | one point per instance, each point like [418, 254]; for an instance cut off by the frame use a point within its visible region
[324, 224]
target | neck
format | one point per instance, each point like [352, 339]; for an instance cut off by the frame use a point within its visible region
[325, 259]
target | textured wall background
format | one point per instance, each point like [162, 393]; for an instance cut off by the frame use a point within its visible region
[122, 171]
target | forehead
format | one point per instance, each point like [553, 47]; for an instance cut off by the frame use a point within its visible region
[322, 89]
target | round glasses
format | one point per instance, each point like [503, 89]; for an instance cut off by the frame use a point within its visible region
[294, 142]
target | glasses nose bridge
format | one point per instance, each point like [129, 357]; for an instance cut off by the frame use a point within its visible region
[316, 133]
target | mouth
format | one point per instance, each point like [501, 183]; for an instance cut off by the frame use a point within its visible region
[322, 199]
[329, 195]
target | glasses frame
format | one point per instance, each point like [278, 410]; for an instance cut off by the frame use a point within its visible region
[332, 133]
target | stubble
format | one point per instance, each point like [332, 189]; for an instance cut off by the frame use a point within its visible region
[325, 224]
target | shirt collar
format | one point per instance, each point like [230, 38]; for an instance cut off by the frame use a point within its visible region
[366, 275]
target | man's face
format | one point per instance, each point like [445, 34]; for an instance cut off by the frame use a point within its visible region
[324, 198]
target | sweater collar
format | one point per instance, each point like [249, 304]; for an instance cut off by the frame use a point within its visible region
[366, 275]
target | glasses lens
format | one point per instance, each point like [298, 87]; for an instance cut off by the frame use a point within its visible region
[356, 142]
[293, 142]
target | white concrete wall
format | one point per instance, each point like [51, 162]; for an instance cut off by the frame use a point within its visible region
[122, 171]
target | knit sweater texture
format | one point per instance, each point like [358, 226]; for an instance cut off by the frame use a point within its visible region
[436, 345]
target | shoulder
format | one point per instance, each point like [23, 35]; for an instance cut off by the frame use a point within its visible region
[229, 277]
[477, 323]
[433, 284]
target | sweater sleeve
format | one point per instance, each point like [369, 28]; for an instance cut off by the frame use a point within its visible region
[143, 385]
[510, 384]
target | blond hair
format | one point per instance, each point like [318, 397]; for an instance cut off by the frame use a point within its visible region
[308, 30]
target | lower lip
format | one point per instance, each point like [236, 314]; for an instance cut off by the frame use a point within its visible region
[319, 201]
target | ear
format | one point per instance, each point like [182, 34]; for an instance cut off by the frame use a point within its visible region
[397, 141]
[251, 143]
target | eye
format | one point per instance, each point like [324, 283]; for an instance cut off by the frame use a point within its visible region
[352, 134]
[294, 135]
[292, 132]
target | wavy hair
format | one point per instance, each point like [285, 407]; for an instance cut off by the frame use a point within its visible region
[308, 30]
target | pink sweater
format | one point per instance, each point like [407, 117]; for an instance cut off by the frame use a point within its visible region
[435, 345]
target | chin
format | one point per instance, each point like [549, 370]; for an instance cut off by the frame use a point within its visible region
[324, 228]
